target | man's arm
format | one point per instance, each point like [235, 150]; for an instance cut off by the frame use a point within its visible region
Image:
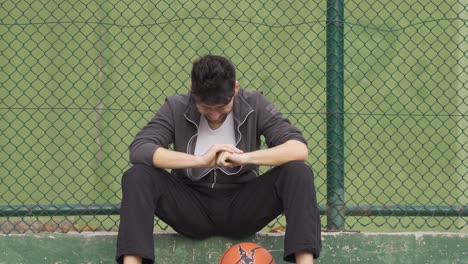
[291, 150]
[170, 159]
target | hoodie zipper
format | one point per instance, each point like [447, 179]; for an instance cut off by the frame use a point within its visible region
[240, 137]
[215, 175]
[240, 124]
[189, 143]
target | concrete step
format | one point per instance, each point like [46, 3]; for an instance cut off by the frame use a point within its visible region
[171, 248]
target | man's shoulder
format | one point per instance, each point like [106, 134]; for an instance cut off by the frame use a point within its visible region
[179, 98]
[250, 94]
[255, 98]
[176, 103]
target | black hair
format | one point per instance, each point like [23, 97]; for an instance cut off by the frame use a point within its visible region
[213, 79]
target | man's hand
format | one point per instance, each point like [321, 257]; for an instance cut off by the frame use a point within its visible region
[275, 156]
[217, 155]
[229, 159]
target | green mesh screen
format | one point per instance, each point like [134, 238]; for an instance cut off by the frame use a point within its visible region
[78, 79]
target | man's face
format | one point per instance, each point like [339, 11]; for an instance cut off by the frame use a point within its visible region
[215, 114]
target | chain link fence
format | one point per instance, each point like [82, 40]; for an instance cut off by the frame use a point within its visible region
[78, 79]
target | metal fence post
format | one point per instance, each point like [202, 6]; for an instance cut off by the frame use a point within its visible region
[335, 115]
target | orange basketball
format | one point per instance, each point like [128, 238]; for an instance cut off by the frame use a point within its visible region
[246, 253]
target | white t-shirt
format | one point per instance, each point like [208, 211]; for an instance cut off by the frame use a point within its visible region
[208, 137]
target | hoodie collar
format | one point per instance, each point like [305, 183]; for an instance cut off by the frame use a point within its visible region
[191, 112]
[241, 107]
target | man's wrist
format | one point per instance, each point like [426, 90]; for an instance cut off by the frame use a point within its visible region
[248, 158]
[199, 162]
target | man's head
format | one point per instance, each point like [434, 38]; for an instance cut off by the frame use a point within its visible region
[214, 86]
[213, 80]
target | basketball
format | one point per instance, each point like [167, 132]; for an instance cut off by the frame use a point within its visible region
[246, 253]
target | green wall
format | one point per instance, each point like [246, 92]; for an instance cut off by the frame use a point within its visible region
[339, 248]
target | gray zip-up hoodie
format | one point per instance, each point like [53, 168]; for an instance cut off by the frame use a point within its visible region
[176, 124]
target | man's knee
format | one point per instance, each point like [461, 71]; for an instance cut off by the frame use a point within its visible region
[297, 167]
[139, 175]
[297, 171]
[296, 164]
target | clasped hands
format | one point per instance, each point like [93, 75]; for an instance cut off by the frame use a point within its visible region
[224, 155]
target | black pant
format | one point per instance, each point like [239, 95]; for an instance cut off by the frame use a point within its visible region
[200, 212]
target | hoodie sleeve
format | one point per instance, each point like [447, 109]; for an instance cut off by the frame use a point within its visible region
[276, 128]
[159, 132]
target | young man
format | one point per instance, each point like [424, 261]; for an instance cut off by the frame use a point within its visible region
[214, 187]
